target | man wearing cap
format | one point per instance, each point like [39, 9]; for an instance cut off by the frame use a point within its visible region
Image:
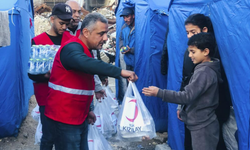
[70, 95]
[60, 19]
[126, 45]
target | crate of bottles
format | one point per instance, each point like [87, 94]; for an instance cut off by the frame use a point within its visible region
[41, 58]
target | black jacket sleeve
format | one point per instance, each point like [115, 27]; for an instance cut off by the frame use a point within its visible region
[38, 77]
[73, 58]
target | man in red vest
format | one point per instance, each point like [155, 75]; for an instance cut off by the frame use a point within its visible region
[71, 84]
[60, 19]
[74, 29]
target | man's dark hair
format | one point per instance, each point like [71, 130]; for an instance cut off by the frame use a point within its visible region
[90, 20]
[202, 41]
[201, 21]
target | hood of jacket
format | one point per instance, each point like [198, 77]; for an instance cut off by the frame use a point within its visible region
[214, 64]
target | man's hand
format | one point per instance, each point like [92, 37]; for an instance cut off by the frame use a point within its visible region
[105, 82]
[47, 75]
[127, 49]
[178, 115]
[91, 117]
[150, 91]
[129, 74]
[100, 94]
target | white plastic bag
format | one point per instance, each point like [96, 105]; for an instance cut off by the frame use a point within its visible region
[135, 123]
[39, 133]
[111, 102]
[96, 141]
[114, 121]
[111, 113]
[104, 120]
[111, 99]
[35, 113]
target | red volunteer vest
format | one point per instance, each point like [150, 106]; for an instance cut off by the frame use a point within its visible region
[77, 32]
[41, 89]
[70, 92]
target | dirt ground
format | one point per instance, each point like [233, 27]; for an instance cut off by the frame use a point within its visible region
[26, 137]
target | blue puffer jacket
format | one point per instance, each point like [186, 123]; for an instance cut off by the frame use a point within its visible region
[129, 39]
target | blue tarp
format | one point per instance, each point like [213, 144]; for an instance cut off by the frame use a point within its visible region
[150, 32]
[232, 30]
[15, 87]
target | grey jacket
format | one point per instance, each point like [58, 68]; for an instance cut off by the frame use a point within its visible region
[200, 97]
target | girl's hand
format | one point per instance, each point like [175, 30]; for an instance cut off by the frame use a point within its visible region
[150, 91]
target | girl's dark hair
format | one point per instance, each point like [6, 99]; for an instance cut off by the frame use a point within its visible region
[201, 21]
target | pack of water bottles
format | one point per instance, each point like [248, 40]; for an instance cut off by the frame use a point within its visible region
[41, 58]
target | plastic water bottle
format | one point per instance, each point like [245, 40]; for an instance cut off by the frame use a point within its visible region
[41, 58]
[47, 51]
[37, 53]
[57, 47]
[31, 66]
[45, 66]
[50, 63]
[33, 51]
[42, 51]
[51, 52]
[38, 66]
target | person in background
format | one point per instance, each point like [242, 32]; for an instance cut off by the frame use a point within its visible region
[200, 97]
[59, 20]
[70, 96]
[127, 47]
[194, 24]
[74, 27]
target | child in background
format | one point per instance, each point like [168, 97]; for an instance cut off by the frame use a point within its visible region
[200, 97]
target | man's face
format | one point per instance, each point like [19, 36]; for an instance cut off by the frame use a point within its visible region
[98, 36]
[196, 54]
[129, 19]
[76, 13]
[58, 25]
[192, 30]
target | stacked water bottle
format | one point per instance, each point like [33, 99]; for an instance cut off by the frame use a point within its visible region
[41, 58]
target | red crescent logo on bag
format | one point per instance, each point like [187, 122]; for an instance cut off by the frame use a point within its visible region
[99, 124]
[136, 111]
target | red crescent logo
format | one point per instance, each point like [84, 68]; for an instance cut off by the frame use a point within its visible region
[136, 111]
[99, 124]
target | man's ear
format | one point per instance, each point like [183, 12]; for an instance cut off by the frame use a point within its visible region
[205, 29]
[206, 52]
[52, 19]
[85, 33]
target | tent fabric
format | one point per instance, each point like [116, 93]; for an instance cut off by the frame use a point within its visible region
[231, 25]
[15, 88]
[149, 24]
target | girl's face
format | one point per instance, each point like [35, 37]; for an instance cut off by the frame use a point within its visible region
[193, 29]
